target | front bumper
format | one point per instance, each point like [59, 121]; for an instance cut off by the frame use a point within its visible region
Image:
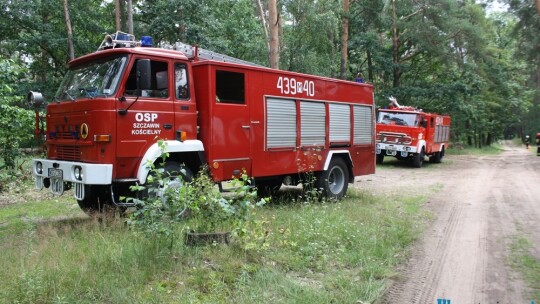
[55, 173]
[392, 149]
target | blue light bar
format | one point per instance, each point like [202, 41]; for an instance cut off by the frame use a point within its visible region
[146, 41]
[121, 36]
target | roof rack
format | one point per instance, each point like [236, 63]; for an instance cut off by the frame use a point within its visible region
[118, 39]
[197, 52]
[395, 105]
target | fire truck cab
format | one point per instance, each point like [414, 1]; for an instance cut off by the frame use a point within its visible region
[208, 110]
[410, 134]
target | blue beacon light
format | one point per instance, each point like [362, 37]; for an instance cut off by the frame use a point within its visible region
[146, 41]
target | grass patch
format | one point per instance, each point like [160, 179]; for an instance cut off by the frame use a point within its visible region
[494, 149]
[523, 261]
[338, 252]
[19, 217]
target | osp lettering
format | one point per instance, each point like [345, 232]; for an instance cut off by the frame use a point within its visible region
[146, 117]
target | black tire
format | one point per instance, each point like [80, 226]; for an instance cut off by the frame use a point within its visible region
[380, 157]
[174, 176]
[437, 157]
[97, 199]
[418, 159]
[334, 181]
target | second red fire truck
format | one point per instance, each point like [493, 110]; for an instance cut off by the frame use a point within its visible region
[411, 134]
[210, 110]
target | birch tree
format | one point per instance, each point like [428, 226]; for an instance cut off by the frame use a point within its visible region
[344, 39]
[274, 25]
[71, 51]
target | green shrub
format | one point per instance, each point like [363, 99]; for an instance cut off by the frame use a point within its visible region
[165, 211]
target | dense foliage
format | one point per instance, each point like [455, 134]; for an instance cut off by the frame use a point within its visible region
[458, 57]
[16, 123]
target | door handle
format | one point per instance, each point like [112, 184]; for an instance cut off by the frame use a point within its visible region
[167, 126]
[246, 127]
[255, 122]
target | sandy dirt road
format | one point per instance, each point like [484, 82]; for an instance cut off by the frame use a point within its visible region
[480, 204]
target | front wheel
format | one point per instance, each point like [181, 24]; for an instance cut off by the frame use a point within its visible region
[173, 178]
[96, 200]
[380, 158]
[418, 159]
[334, 181]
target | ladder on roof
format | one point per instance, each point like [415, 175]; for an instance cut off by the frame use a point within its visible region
[190, 50]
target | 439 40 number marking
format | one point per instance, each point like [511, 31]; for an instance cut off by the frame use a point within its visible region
[291, 86]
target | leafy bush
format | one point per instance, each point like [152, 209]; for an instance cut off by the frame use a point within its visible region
[195, 206]
[16, 125]
[308, 178]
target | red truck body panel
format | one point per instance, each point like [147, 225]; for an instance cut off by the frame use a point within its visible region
[237, 133]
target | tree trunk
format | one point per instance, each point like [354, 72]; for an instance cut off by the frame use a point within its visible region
[344, 39]
[469, 136]
[71, 51]
[370, 66]
[489, 139]
[117, 15]
[395, 47]
[123, 14]
[260, 11]
[43, 46]
[274, 34]
[130, 16]
[537, 2]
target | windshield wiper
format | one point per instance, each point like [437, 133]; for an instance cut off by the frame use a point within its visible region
[68, 95]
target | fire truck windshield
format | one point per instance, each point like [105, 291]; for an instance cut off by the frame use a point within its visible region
[98, 78]
[397, 118]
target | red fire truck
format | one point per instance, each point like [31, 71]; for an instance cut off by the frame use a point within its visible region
[408, 133]
[209, 109]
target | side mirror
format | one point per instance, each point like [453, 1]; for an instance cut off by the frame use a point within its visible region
[34, 99]
[144, 74]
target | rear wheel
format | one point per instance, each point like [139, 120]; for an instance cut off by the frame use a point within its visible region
[437, 157]
[334, 181]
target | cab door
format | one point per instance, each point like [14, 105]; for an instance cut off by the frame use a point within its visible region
[231, 126]
[185, 109]
[142, 120]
